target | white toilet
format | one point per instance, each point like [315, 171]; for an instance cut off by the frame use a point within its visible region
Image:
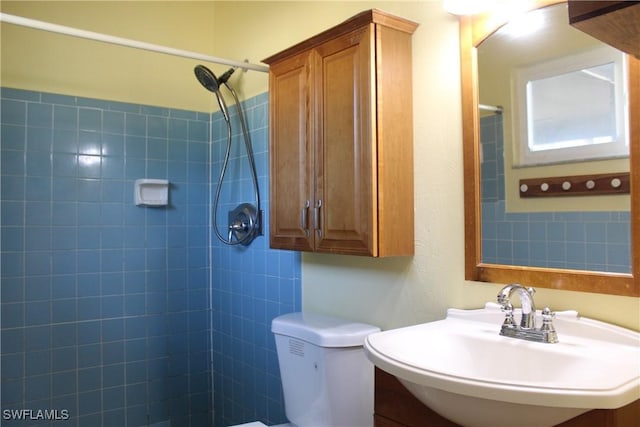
[326, 377]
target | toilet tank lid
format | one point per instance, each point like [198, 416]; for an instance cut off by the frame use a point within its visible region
[321, 330]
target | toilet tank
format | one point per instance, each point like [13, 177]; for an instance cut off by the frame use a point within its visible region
[326, 378]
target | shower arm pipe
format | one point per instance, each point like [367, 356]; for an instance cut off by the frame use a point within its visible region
[106, 38]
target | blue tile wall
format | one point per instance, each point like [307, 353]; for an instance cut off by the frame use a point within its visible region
[599, 241]
[251, 285]
[105, 308]
[121, 315]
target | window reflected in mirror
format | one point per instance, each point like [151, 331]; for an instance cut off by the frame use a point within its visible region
[572, 108]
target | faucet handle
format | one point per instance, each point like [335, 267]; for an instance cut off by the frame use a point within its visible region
[507, 308]
[549, 332]
[547, 319]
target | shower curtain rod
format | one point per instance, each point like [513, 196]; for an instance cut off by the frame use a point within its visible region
[495, 109]
[105, 38]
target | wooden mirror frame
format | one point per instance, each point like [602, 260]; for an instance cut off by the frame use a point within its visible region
[473, 30]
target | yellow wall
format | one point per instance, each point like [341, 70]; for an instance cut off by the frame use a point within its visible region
[387, 292]
[38, 60]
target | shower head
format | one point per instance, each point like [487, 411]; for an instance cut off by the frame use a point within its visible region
[206, 78]
[209, 80]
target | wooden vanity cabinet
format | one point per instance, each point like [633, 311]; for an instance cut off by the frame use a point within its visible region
[341, 140]
[616, 23]
[395, 406]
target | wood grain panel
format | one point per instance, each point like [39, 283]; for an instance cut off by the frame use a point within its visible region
[292, 157]
[345, 150]
[394, 118]
[345, 99]
[616, 23]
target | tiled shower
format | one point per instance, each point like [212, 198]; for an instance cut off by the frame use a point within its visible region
[120, 315]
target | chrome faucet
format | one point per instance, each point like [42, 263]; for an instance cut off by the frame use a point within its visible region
[527, 329]
[528, 320]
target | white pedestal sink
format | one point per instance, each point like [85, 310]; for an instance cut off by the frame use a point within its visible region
[464, 370]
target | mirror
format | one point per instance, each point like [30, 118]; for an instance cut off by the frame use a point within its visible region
[562, 113]
[478, 264]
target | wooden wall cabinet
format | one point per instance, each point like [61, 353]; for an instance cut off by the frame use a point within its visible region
[341, 140]
[616, 23]
[395, 406]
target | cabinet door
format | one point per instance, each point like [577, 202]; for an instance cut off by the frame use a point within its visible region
[291, 153]
[346, 188]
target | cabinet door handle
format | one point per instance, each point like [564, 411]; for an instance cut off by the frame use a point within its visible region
[316, 217]
[304, 213]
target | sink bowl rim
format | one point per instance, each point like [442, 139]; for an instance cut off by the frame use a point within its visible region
[543, 395]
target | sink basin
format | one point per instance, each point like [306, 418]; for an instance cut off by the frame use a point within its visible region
[461, 368]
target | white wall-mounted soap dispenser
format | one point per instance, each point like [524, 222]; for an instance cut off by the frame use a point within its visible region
[151, 192]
